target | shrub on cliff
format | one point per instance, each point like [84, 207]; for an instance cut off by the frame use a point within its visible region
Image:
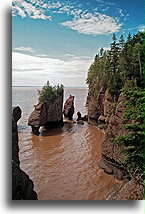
[49, 92]
[133, 142]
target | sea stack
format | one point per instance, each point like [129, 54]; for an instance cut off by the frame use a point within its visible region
[22, 185]
[48, 112]
[68, 110]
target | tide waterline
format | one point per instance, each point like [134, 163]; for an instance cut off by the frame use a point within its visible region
[63, 163]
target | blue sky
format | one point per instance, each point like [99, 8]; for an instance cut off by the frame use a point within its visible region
[57, 40]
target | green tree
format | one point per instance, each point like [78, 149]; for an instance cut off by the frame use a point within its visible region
[133, 141]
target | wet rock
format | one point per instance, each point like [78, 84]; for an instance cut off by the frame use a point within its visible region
[35, 130]
[85, 118]
[68, 110]
[81, 122]
[79, 116]
[48, 114]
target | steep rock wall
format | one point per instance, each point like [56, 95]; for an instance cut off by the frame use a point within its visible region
[111, 115]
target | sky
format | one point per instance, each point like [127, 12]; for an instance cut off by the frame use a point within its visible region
[58, 40]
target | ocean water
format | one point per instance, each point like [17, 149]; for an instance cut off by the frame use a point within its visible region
[63, 163]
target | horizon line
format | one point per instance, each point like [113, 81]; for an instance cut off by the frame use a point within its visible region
[14, 86]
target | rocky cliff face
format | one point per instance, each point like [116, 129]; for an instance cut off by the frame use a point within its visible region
[106, 111]
[48, 114]
[22, 185]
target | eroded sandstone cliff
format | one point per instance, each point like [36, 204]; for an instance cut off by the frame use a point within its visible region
[102, 109]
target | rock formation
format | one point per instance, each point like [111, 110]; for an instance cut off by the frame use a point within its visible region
[68, 110]
[48, 114]
[22, 185]
[99, 106]
[16, 115]
[85, 118]
[109, 113]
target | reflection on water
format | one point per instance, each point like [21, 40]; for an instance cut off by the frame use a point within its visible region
[63, 162]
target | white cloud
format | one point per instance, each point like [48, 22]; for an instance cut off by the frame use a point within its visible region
[123, 14]
[105, 49]
[83, 21]
[97, 24]
[69, 55]
[24, 9]
[17, 9]
[105, 9]
[139, 28]
[32, 70]
[25, 49]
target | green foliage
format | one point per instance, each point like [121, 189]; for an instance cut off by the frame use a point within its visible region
[122, 68]
[49, 93]
[124, 61]
[133, 142]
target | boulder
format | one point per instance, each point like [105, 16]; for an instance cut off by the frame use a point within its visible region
[79, 116]
[68, 110]
[85, 118]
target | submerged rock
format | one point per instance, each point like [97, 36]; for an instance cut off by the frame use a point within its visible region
[68, 110]
[48, 114]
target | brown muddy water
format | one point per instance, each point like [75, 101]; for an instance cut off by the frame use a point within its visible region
[62, 163]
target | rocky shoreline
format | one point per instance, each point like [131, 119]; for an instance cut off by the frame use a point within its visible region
[106, 114]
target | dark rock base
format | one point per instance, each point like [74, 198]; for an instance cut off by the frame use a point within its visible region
[22, 185]
[54, 124]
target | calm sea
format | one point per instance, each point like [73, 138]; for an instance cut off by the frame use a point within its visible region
[63, 162]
